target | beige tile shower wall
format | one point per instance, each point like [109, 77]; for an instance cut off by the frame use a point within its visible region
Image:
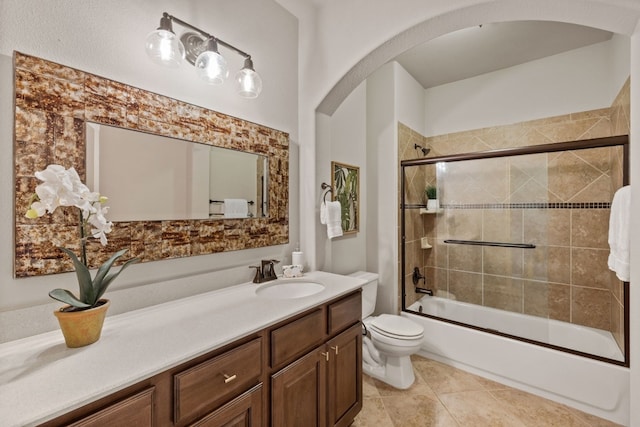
[566, 276]
[51, 105]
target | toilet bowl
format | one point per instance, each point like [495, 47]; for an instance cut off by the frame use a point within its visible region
[389, 340]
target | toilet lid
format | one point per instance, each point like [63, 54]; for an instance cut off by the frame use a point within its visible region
[396, 326]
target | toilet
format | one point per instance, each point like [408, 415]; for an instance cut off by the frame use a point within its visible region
[389, 340]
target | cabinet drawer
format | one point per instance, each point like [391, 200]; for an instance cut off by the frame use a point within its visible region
[296, 338]
[136, 410]
[244, 410]
[208, 385]
[344, 313]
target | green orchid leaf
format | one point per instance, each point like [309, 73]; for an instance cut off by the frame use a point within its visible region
[104, 268]
[67, 297]
[87, 293]
[97, 284]
[101, 289]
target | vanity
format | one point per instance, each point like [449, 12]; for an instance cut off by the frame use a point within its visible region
[236, 356]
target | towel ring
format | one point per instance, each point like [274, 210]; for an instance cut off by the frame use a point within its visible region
[329, 189]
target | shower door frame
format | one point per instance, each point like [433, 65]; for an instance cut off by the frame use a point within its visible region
[612, 141]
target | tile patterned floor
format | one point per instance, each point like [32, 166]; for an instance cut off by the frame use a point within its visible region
[444, 396]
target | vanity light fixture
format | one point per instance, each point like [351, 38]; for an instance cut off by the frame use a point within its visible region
[163, 47]
[200, 49]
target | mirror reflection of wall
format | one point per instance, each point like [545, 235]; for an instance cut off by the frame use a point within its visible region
[149, 177]
[236, 175]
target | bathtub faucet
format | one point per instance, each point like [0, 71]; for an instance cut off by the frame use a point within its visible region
[424, 291]
[417, 276]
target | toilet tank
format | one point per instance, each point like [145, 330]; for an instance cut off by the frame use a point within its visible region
[369, 291]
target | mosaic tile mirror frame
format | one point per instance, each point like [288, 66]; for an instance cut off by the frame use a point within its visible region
[52, 103]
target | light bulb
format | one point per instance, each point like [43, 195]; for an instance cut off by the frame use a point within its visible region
[211, 66]
[248, 82]
[163, 47]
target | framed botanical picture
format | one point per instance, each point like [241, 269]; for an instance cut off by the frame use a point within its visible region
[346, 190]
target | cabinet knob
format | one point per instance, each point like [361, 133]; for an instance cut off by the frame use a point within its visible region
[335, 349]
[228, 379]
[326, 355]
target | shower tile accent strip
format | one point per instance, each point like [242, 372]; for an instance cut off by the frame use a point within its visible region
[52, 103]
[562, 205]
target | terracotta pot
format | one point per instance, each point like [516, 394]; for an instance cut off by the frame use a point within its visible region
[82, 327]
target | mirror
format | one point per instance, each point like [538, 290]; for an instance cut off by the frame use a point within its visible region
[52, 119]
[149, 177]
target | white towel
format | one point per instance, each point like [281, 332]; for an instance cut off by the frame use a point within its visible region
[236, 208]
[323, 212]
[331, 215]
[619, 233]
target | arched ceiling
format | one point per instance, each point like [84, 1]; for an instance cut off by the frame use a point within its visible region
[482, 49]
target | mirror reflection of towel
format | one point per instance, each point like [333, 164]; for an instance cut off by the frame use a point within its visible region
[236, 208]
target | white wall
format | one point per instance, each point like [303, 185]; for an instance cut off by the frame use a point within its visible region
[107, 38]
[579, 80]
[381, 143]
[409, 100]
[347, 135]
[393, 96]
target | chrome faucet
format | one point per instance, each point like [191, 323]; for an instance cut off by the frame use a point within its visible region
[265, 271]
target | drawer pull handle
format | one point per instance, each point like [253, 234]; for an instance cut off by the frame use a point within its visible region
[335, 349]
[326, 355]
[228, 379]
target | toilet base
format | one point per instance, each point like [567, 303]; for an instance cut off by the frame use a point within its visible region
[397, 372]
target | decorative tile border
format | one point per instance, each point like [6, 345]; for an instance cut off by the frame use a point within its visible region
[553, 205]
[52, 103]
[580, 205]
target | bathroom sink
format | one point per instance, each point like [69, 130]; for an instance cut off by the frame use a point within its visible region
[289, 289]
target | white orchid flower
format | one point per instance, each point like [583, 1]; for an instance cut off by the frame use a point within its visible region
[63, 187]
[99, 223]
[60, 187]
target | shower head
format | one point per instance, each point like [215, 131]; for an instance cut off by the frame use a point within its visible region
[424, 150]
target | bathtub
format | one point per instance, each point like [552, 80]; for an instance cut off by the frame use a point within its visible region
[592, 386]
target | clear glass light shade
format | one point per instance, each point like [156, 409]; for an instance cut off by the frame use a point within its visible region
[212, 67]
[164, 48]
[248, 83]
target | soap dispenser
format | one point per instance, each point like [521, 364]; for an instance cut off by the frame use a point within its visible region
[297, 257]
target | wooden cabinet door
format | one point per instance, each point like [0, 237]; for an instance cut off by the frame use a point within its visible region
[344, 376]
[136, 410]
[243, 411]
[298, 392]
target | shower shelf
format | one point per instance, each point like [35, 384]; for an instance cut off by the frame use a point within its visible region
[425, 211]
[424, 243]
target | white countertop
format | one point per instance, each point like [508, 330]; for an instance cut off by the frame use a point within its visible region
[40, 378]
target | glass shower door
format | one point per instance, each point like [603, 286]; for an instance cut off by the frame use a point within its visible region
[518, 245]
